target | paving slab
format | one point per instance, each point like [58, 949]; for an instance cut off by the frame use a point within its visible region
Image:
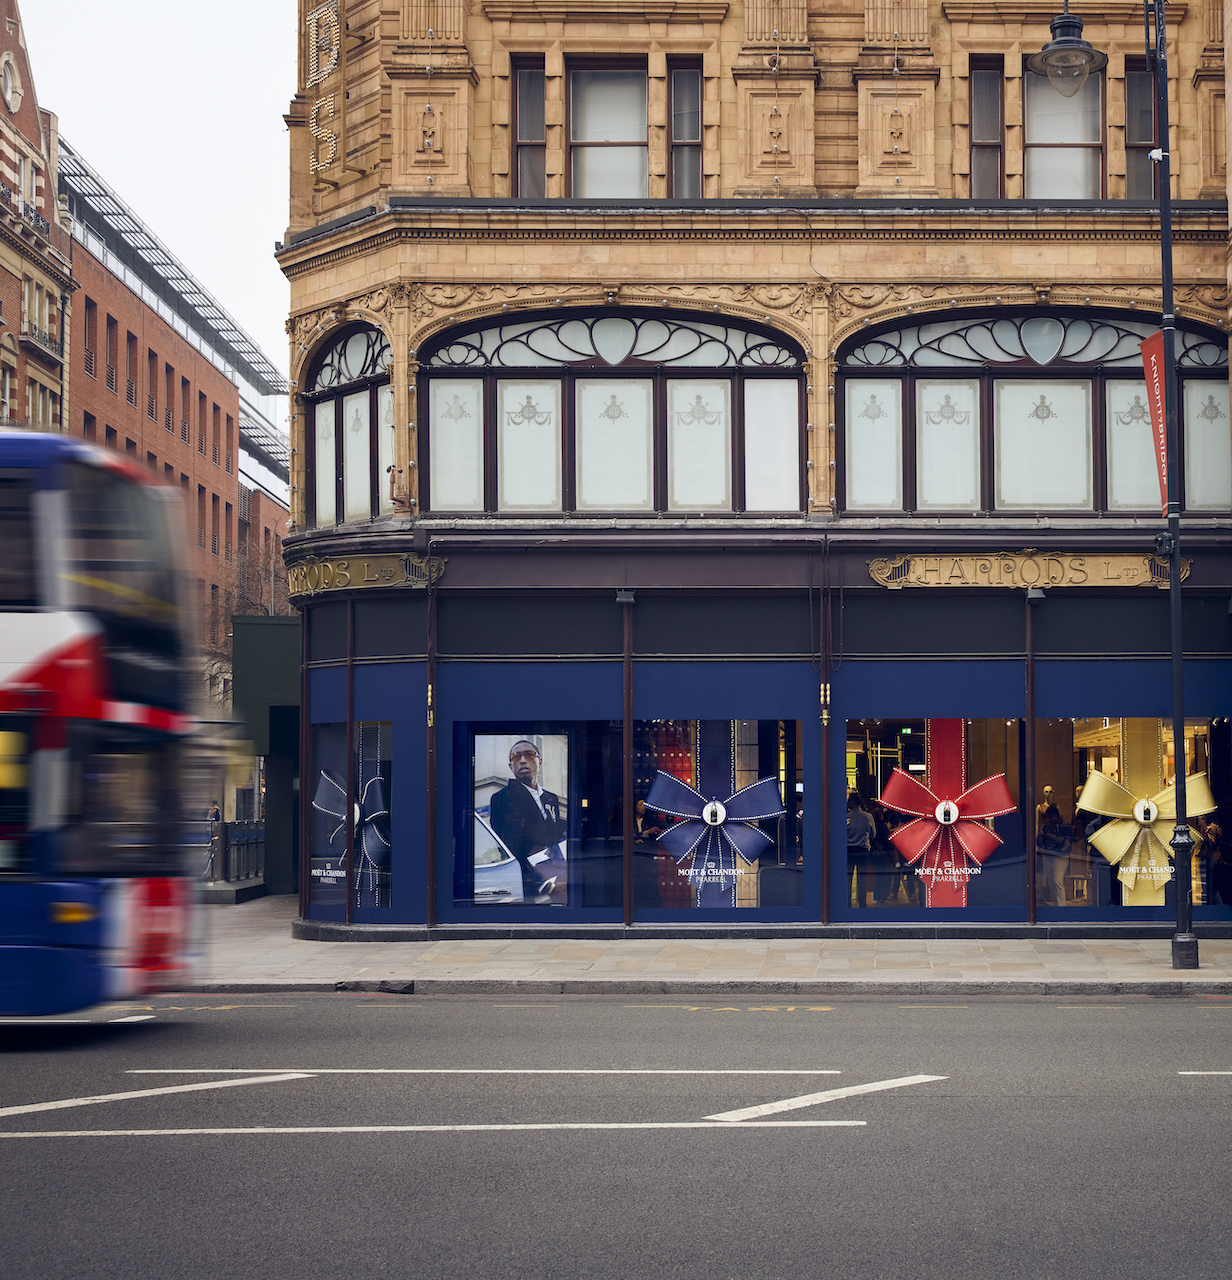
[249, 947]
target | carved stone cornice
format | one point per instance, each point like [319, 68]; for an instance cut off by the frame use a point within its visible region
[605, 11]
[1002, 12]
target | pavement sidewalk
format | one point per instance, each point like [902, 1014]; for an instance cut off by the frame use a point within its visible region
[249, 948]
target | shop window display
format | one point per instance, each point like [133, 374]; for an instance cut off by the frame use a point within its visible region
[932, 814]
[544, 821]
[1107, 806]
[363, 815]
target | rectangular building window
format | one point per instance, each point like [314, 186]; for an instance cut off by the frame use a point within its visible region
[130, 369]
[530, 133]
[608, 154]
[685, 138]
[987, 129]
[873, 445]
[91, 336]
[528, 437]
[1141, 173]
[1063, 140]
[1043, 445]
[113, 352]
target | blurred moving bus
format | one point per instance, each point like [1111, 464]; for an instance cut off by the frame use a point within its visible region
[96, 691]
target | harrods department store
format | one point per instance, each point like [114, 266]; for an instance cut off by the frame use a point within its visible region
[705, 415]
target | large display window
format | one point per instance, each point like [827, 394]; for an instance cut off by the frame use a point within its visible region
[933, 815]
[350, 831]
[1106, 808]
[717, 814]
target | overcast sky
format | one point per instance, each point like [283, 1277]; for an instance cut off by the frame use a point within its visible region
[178, 105]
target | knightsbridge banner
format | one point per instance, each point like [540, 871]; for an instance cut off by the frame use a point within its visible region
[1141, 814]
[948, 839]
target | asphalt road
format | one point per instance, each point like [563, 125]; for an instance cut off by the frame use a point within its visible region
[572, 1137]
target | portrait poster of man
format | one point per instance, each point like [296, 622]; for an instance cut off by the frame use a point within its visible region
[521, 826]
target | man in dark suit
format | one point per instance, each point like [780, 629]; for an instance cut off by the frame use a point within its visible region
[526, 817]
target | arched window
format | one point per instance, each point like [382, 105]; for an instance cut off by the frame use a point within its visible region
[1025, 413]
[350, 435]
[617, 414]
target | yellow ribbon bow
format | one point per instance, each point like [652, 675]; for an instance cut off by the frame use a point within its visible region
[1137, 837]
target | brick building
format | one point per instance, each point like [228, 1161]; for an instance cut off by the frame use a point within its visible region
[158, 377]
[35, 283]
[701, 391]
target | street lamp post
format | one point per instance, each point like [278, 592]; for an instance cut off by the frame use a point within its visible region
[1067, 60]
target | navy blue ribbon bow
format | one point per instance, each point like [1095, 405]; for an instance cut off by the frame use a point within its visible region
[714, 833]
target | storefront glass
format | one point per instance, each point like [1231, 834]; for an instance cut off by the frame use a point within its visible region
[544, 814]
[933, 817]
[1101, 781]
[367, 810]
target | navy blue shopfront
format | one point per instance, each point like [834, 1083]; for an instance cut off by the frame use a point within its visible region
[435, 747]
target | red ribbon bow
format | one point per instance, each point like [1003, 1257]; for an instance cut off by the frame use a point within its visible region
[947, 831]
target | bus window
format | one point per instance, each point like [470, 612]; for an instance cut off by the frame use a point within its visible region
[14, 793]
[122, 805]
[18, 578]
[119, 561]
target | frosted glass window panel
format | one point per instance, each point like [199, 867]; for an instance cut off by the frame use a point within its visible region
[1043, 445]
[1133, 483]
[608, 106]
[528, 446]
[326, 475]
[615, 445]
[698, 446]
[456, 444]
[610, 173]
[772, 444]
[874, 445]
[947, 436]
[1066, 173]
[356, 454]
[1053, 118]
[385, 447]
[1208, 447]
[1063, 136]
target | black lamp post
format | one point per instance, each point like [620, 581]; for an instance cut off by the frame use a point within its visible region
[1067, 60]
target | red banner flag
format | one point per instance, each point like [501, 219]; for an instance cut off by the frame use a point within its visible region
[1153, 363]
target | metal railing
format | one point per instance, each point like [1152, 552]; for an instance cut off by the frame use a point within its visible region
[184, 430]
[36, 219]
[237, 852]
[131, 393]
[213, 544]
[201, 535]
[226, 548]
[43, 337]
[90, 362]
[169, 420]
[111, 377]
[151, 408]
[215, 455]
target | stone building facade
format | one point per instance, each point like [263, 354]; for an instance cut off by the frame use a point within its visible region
[698, 391]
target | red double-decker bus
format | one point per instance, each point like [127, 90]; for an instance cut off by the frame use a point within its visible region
[97, 686]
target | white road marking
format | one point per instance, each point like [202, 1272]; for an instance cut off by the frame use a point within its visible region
[478, 1071]
[1204, 1073]
[148, 1093]
[439, 1128]
[811, 1099]
[136, 1017]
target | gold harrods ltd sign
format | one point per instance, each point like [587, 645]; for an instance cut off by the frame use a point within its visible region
[1023, 569]
[312, 576]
